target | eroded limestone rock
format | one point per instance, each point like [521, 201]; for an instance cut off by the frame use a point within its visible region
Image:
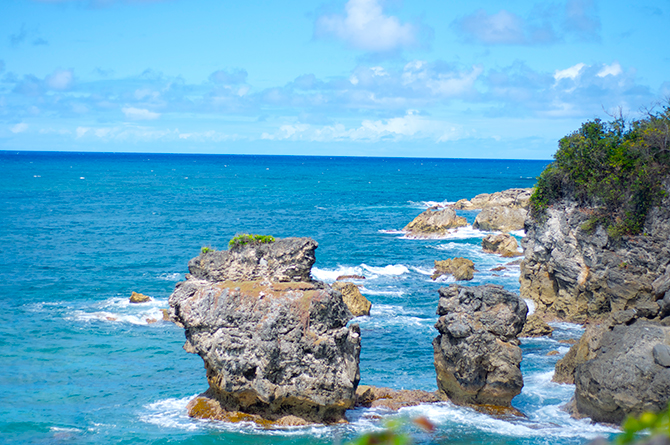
[535, 326]
[477, 354]
[355, 301]
[136, 298]
[274, 342]
[515, 198]
[434, 222]
[462, 269]
[499, 218]
[501, 243]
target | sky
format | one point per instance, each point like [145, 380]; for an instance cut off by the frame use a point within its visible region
[422, 78]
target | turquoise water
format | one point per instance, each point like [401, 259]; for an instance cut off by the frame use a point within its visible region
[80, 232]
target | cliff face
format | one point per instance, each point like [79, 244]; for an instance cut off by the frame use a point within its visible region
[275, 343]
[575, 274]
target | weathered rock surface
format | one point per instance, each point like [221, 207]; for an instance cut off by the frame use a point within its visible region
[393, 399]
[517, 197]
[577, 275]
[477, 354]
[535, 326]
[136, 297]
[501, 243]
[499, 218]
[624, 377]
[275, 344]
[355, 301]
[434, 222]
[582, 351]
[287, 259]
[462, 269]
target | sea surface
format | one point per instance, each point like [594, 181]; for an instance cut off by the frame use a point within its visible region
[80, 232]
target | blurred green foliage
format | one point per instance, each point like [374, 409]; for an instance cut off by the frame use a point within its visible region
[648, 423]
[246, 238]
[615, 168]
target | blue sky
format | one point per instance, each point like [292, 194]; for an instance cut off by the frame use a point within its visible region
[478, 79]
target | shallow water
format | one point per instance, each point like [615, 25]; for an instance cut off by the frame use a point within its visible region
[80, 232]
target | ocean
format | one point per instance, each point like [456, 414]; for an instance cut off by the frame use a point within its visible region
[81, 231]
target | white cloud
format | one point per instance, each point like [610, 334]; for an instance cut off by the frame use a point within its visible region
[60, 79]
[19, 128]
[420, 74]
[366, 27]
[569, 73]
[139, 114]
[610, 70]
[501, 28]
[409, 126]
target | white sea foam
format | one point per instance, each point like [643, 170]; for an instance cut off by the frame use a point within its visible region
[465, 232]
[121, 310]
[170, 413]
[393, 269]
[369, 272]
[392, 231]
[428, 204]
[176, 276]
[520, 233]
[531, 305]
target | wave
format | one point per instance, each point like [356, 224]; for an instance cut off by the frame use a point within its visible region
[459, 233]
[428, 204]
[369, 272]
[121, 310]
[392, 231]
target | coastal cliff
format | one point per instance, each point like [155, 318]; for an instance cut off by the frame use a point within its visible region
[274, 342]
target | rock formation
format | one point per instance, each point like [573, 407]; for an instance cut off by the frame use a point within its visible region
[357, 303]
[434, 222]
[462, 269]
[477, 354]
[501, 243]
[275, 343]
[136, 297]
[535, 326]
[576, 274]
[393, 399]
[499, 218]
[630, 373]
[582, 351]
[513, 198]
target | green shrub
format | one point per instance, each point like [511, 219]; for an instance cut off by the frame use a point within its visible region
[636, 428]
[245, 238]
[206, 249]
[615, 168]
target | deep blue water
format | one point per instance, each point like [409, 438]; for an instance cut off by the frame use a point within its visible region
[80, 232]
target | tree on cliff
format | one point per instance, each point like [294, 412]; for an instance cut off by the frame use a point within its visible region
[615, 168]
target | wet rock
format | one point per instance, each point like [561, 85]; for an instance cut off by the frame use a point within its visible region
[514, 198]
[552, 353]
[273, 346]
[477, 354]
[393, 399]
[357, 303]
[535, 326]
[504, 219]
[583, 350]
[136, 298]
[434, 222]
[350, 277]
[661, 355]
[462, 269]
[624, 378]
[501, 243]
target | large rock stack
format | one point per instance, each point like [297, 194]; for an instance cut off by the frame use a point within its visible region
[275, 343]
[477, 354]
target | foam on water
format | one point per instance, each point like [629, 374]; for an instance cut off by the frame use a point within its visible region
[429, 204]
[120, 309]
[369, 272]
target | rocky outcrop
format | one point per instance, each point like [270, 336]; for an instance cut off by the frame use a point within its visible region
[393, 399]
[136, 298]
[535, 326]
[501, 243]
[275, 343]
[513, 198]
[434, 222]
[498, 218]
[577, 274]
[630, 373]
[477, 354]
[357, 303]
[462, 269]
[582, 351]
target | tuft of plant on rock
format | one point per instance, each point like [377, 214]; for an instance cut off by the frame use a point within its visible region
[616, 168]
[246, 238]
[206, 249]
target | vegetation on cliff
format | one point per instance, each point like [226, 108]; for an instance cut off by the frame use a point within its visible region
[245, 238]
[615, 168]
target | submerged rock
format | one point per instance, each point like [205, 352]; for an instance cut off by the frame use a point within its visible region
[625, 377]
[393, 399]
[513, 198]
[275, 343]
[477, 354]
[499, 218]
[434, 222]
[136, 297]
[462, 269]
[355, 301]
[501, 243]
